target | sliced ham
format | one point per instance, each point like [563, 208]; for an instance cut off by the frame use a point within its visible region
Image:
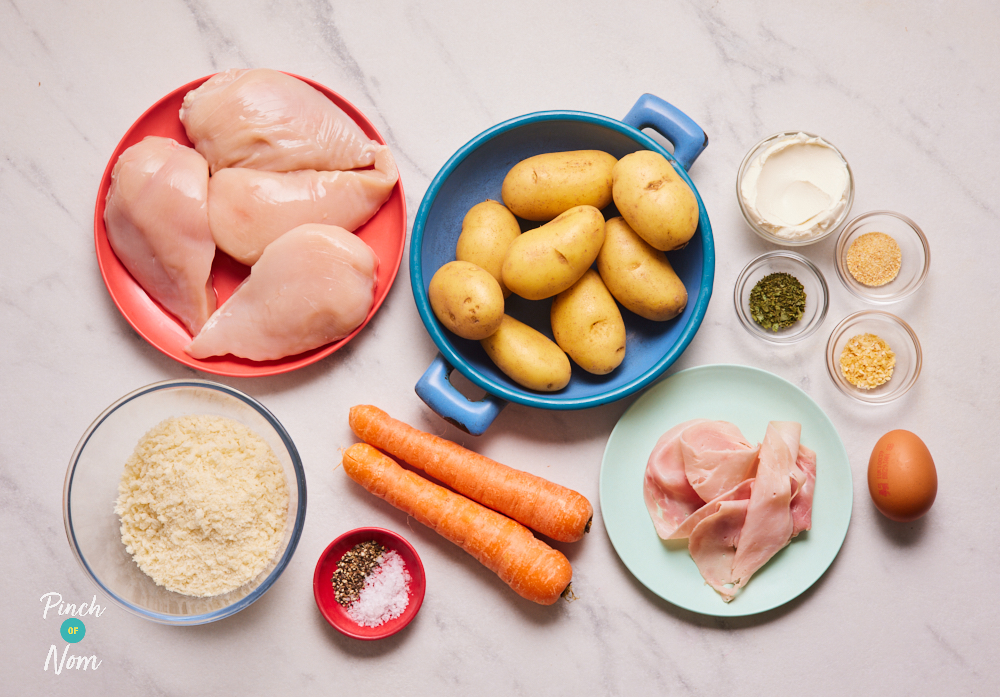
[768, 527]
[802, 501]
[790, 432]
[761, 496]
[157, 222]
[265, 119]
[248, 208]
[716, 457]
[313, 285]
[668, 494]
[739, 492]
[714, 543]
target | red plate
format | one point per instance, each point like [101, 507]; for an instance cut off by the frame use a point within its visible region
[385, 233]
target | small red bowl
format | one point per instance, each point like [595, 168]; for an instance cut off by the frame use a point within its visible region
[335, 613]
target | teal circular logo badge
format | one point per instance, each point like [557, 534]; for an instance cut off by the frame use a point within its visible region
[72, 630]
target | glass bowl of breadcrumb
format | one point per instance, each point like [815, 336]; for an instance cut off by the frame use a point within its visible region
[184, 501]
[874, 357]
[882, 257]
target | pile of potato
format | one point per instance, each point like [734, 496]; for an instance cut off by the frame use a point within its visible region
[659, 212]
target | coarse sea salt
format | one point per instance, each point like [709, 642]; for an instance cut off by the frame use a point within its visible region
[385, 593]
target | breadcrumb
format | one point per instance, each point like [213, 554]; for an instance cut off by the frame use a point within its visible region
[203, 503]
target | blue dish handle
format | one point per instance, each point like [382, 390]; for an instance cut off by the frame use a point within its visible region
[435, 388]
[670, 122]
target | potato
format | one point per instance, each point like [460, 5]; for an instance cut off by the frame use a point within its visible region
[487, 230]
[545, 186]
[527, 356]
[587, 324]
[549, 259]
[640, 277]
[466, 299]
[654, 200]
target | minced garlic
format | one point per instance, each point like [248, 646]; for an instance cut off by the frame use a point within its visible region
[867, 361]
[203, 502]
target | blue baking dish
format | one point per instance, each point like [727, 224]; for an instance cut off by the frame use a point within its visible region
[475, 173]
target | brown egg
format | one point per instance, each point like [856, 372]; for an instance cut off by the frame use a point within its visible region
[902, 479]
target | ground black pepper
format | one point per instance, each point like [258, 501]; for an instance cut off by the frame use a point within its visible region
[353, 568]
[777, 301]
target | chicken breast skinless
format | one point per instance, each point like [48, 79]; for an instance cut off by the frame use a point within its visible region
[313, 285]
[156, 215]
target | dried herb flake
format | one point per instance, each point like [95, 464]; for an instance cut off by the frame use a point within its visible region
[777, 301]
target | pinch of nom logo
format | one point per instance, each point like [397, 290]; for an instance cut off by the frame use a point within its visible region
[72, 630]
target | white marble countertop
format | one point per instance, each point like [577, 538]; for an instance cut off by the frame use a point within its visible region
[908, 91]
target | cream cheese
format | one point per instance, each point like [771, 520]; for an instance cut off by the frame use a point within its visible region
[797, 187]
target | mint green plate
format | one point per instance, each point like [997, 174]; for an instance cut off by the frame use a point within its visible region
[749, 398]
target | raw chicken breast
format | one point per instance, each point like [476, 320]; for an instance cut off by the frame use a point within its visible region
[248, 208]
[716, 457]
[313, 285]
[768, 527]
[666, 490]
[156, 216]
[265, 119]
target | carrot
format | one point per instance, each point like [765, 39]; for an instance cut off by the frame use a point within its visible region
[544, 506]
[529, 566]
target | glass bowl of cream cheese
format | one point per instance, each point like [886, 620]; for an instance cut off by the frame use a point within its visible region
[794, 188]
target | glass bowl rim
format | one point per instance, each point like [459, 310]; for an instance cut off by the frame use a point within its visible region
[831, 360]
[841, 252]
[751, 326]
[297, 526]
[774, 239]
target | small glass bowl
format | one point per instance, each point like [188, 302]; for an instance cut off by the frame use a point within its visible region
[326, 598]
[91, 489]
[770, 236]
[915, 255]
[902, 340]
[783, 261]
